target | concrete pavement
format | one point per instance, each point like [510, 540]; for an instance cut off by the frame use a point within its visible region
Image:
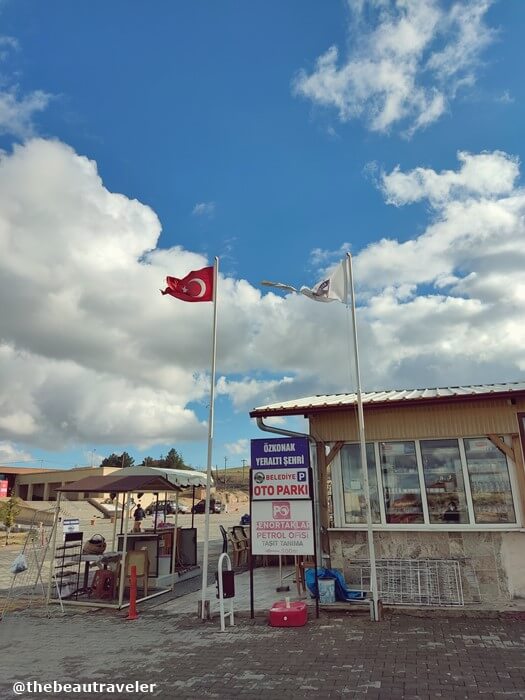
[342, 656]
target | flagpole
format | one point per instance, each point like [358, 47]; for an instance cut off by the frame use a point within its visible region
[362, 444]
[210, 446]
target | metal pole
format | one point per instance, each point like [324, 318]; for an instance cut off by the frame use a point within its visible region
[210, 446]
[115, 518]
[124, 553]
[53, 547]
[362, 444]
[174, 542]
[192, 506]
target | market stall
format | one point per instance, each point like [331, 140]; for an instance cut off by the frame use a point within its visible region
[70, 561]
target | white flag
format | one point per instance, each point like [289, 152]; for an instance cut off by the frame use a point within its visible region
[333, 288]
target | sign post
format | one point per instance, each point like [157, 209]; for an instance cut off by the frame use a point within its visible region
[282, 519]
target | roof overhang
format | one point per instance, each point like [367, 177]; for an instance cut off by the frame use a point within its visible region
[308, 410]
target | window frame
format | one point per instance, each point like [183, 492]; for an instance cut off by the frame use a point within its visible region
[338, 502]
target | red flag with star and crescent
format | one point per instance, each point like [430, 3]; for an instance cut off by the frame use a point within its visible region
[196, 286]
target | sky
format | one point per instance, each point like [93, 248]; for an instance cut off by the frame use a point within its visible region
[140, 140]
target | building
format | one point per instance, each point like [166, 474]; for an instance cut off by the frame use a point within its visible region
[446, 475]
[41, 484]
[8, 476]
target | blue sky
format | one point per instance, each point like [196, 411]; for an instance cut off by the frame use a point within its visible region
[276, 136]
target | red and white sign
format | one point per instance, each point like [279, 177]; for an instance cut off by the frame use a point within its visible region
[282, 528]
[3, 488]
[290, 483]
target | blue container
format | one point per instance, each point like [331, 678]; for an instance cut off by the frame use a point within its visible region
[326, 590]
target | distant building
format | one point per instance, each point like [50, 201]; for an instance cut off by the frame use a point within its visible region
[41, 484]
[9, 475]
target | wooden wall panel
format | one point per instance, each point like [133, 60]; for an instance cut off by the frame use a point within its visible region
[404, 422]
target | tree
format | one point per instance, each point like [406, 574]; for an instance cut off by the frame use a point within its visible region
[8, 512]
[114, 460]
[173, 460]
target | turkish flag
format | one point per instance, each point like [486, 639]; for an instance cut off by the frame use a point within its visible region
[196, 286]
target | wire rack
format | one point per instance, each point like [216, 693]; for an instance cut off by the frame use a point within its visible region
[29, 588]
[435, 582]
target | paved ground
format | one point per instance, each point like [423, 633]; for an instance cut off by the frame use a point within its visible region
[341, 656]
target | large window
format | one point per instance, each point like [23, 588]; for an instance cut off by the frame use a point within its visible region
[489, 482]
[353, 486]
[401, 490]
[444, 485]
[464, 481]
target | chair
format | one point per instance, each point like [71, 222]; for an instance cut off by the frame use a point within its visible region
[302, 563]
[140, 559]
[239, 546]
[103, 585]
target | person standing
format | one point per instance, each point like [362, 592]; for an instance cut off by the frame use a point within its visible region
[138, 516]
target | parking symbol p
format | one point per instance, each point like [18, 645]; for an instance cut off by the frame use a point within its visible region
[301, 476]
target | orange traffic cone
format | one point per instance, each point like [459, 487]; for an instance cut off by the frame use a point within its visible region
[132, 612]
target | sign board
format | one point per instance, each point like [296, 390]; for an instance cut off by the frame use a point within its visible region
[281, 527]
[3, 488]
[280, 453]
[71, 525]
[290, 483]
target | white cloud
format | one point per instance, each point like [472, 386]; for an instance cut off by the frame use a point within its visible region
[204, 209]
[406, 61]
[16, 113]
[243, 393]
[91, 353]
[505, 98]
[486, 175]
[320, 257]
[17, 110]
[10, 454]
[241, 447]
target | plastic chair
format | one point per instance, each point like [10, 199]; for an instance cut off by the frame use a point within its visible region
[239, 547]
[103, 585]
[140, 559]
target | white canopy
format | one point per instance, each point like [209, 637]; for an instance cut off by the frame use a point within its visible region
[184, 478]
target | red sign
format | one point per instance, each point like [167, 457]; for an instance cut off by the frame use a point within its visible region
[3, 488]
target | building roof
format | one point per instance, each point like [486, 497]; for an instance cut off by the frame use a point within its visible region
[334, 402]
[22, 470]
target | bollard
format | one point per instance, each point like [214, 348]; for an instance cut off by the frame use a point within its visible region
[132, 613]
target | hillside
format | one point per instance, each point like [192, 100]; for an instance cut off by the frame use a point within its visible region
[234, 478]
